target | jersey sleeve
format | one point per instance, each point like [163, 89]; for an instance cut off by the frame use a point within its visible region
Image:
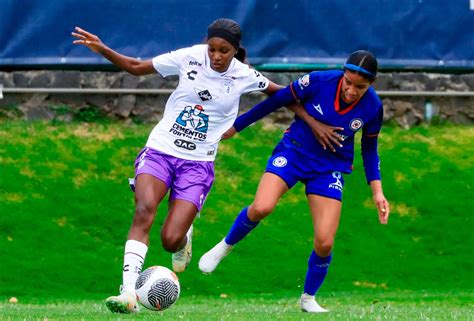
[254, 81]
[169, 63]
[369, 147]
[305, 87]
[281, 98]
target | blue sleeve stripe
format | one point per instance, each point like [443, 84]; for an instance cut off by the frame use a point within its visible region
[293, 92]
[371, 135]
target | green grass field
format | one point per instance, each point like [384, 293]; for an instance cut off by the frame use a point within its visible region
[66, 207]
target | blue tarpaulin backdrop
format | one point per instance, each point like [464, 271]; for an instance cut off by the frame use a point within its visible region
[402, 33]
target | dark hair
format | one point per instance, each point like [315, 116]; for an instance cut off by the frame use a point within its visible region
[363, 63]
[229, 30]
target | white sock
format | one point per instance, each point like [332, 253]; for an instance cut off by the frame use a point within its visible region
[133, 259]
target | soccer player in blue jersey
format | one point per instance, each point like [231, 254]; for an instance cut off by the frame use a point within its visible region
[337, 98]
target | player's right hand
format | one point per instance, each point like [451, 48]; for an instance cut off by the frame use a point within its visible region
[87, 39]
[229, 133]
[327, 136]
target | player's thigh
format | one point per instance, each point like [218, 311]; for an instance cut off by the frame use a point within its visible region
[326, 214]
[149, 191]
[180, 217]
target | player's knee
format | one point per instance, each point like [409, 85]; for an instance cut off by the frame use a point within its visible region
[324, 247]
[143, 217]
[258, 211]
[171, 243]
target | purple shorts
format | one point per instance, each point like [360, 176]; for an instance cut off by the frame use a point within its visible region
[188, 180]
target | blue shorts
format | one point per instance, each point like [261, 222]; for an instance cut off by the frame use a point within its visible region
[292, 166]
[188, 180]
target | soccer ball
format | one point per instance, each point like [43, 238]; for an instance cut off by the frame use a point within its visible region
[157, 288]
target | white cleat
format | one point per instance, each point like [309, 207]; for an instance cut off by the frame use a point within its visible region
[309, 304]
[211, 259]
[126, 302]
[182, 258]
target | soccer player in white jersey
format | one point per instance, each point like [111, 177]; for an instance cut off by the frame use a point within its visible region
[180, 151]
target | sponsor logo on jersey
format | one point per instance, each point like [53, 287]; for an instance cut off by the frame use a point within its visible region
[195, 63]
[185, 144]
[303, 81]
[356, 124]
[337, 184]
[192, 123]
[280, 161]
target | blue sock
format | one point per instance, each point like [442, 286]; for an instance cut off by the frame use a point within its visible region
[317, 270]
[241, 227]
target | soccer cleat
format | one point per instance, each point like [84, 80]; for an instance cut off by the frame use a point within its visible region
[126, 302]
[211, 259]
[309, 304]
[182, 258]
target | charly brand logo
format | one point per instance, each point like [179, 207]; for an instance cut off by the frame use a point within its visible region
[280, 161]
[192, 74]
[356, 124]
[337, 184]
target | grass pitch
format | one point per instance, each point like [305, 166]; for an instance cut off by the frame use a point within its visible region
[66, 207]
[406, 305]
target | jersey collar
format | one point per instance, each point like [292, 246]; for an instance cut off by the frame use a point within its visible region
[337, 105]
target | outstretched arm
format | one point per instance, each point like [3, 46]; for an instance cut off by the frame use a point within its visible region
[326, 135]
[129, 64]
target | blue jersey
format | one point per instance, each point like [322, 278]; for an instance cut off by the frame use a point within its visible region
[319, 93]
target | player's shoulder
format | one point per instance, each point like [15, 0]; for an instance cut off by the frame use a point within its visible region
[328, 75]
[319, 76]
[243, 72]
[372, 97]
[194, 53]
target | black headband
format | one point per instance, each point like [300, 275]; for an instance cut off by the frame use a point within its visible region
[226, 35]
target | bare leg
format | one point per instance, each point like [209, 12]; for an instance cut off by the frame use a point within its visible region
[149, 191]
[180, 217]
[325, 213]
[270, 189]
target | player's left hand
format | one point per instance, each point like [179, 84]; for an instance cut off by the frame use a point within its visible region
[87, 39]
[383, 207]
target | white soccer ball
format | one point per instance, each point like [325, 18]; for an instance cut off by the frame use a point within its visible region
[157, 288]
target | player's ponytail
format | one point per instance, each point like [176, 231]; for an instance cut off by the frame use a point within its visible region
[241, 55]
[230, 31]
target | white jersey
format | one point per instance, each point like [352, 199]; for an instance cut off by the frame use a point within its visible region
[203, 106]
